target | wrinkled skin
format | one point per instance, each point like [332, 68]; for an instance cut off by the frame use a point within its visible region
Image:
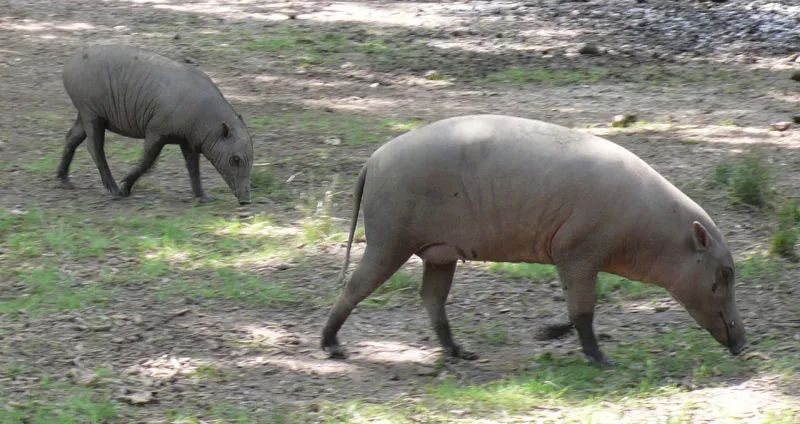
[140, 94]
[498, 188]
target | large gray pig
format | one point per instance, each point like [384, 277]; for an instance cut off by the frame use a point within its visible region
[138, 93]
[500, 188]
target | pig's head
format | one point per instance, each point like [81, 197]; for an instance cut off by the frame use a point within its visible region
[704, 284]
[229, 148]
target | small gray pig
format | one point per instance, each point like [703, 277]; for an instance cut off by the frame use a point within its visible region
[141, 94]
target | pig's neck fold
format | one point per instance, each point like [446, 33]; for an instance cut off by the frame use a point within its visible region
[646, 259]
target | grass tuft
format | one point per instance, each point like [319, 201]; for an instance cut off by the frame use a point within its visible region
[785, 238]
[263, 183]
[746, 180]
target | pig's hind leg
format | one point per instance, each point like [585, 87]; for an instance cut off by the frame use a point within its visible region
[74, 138]
[378, 264]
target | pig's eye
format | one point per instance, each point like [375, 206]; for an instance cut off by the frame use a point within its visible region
[724, 277]
[235, 161]
[727, 275]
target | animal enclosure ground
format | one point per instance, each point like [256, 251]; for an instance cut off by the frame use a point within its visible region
[155, 309]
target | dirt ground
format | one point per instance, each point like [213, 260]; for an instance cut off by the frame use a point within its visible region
[699, 105]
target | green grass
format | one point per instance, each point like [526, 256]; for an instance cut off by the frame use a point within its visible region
[784, 239]
[495, 334]
[55, 402]
[225, 413]
[545, 76]
[46, 289]
[609, 286]
[44, 165]
[759, 269]
[155, 246]
[400, 286]
[351, 129]
[746, 180]
[129, 150]
[644, 368]
[263, 183]
[644, 126]
[57, 123]
[311, 47]
[232, 285]
[647, 369]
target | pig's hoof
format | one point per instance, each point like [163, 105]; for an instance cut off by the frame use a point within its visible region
[205, 199]
[602, 362]
[461, 353]
[65, 184]
[335, 352]
[553, 331]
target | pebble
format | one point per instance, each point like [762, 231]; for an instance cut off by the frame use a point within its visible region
[623, 121]
[780, 126]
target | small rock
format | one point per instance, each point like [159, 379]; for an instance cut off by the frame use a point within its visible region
[623, 121]
[796, 76]
[139, 398]
[333, 141]
[795, 118]
[176, 37]
[374, 85]
[85, 378]
[780, 126]
[589, 49]
[558, 297]
[189, 60]
[661, 308]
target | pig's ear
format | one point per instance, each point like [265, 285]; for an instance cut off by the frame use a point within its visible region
[226, 130]
[700, 236]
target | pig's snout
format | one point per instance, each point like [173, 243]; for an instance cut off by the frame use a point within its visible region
[243, 197]
[737, 346]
